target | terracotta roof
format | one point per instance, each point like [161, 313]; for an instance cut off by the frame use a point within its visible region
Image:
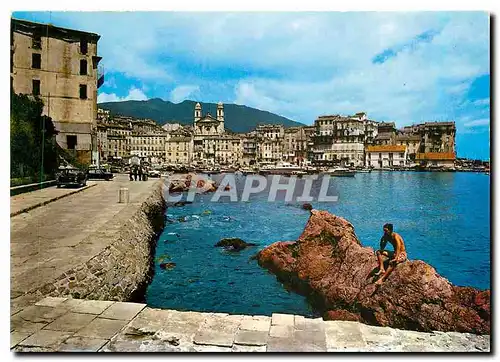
[435, 156]
[386, 148]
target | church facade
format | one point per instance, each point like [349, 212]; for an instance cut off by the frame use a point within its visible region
[211, 143]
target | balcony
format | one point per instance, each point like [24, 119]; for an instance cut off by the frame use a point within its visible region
[100, 76]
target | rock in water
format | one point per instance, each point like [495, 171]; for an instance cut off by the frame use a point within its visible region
[167, 266]
[307, 206]
[329, 264]
[234, 244]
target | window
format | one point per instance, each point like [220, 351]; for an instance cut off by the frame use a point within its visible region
[36, 61]
[83, 91]
[83, 67]
[84, 45]
[36, 41]
[71, 142]
[36, 87]
[401, 155]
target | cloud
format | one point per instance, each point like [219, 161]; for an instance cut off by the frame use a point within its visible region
[182, 92]
[134, 94]
[426, 36]
[477, 123]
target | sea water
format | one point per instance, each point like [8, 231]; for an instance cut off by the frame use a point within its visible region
[444, 219]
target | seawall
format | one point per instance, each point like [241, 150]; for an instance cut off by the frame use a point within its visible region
[123, 269]
[113, 258]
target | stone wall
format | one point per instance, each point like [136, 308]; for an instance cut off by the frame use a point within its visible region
[123, 269]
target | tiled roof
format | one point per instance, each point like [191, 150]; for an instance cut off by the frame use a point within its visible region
[386, 148]
[443, 156]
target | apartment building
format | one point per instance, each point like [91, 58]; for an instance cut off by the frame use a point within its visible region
[60, 66]
[435, 145]
[118, 145]
[340, 139]
[381, 156]
[295, 145]
[178, 150]
[249, 149]
[148, 144]
[412, 143]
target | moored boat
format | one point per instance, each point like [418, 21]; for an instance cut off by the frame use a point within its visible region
[340, 172]
[281, 168]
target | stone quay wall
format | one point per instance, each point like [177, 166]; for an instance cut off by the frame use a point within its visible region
[124, 268]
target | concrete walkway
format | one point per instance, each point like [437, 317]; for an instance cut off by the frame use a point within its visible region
[60, 324]
[49, 240]
[31, 200]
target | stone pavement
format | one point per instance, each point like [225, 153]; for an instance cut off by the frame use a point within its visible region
[61, 324]
[30, 200]
[49, 240]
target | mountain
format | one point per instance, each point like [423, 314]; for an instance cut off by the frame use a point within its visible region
[237, 118]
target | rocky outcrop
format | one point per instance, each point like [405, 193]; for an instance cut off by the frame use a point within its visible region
[234, 244]
[329, 265]
[182, 183]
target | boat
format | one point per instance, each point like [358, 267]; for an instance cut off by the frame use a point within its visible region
[363, 170]
[281, 168]
[340, 172]
[247, 171]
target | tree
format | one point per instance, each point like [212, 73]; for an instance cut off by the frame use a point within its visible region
[31, 137]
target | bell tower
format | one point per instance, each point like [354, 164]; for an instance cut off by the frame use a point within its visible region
[197, 112]
[220, 117]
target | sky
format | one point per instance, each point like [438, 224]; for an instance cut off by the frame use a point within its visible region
[405, 67]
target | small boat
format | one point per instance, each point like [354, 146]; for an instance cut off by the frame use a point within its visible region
[282, 168]
[247, 171]
[364, 170]
[340, 172]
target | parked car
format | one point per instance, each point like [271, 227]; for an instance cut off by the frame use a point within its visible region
[154, 173]
[71, 176]
[99, 174]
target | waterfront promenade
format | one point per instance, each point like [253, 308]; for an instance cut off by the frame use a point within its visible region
[60, 324]
[49, 241]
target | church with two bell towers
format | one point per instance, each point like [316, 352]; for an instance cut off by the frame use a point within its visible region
[208, 125]
[211, 144]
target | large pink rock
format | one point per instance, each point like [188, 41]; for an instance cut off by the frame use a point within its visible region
[329, 265]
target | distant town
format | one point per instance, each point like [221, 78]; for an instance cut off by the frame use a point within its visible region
[61, 67]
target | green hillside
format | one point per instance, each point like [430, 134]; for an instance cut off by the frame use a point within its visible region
[237, 118]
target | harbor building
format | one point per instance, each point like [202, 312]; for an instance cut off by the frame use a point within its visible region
[250, 149]
[412, 143]
[436, 159]
[340, 140]
[436, 145]
[385, 156]
[179, 150]
[61, 67]
[386, 134]
[295, 145]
